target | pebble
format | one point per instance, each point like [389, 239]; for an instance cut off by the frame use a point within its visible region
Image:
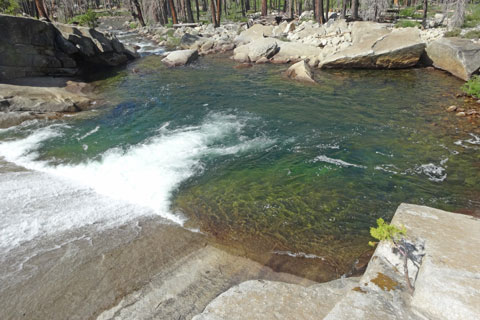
[461, 114]
[451, 108]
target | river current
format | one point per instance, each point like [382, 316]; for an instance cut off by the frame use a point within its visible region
[254, 160]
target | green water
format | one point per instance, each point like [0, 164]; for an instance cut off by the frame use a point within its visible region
[304, 168]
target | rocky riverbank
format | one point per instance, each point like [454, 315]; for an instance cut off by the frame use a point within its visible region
[43, 97]
[444, 271]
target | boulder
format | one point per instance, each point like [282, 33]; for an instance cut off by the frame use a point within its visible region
[295, 51]
[180, 57]
[255, 32]
[460, 57]
[367, 31]
[207, 45]
[188, 40]
[300, 71]
[289, 27]
[266, 47]
[30, 47]
[260, 299]
[400, 48]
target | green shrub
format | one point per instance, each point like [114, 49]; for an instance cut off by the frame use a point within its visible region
[472, 87]
[9, 7]
[472, 16]
[472, 34]
[407, 24]
[133, 25]
[453, 33]
[410, 12]
[90, 19]
[407, 12]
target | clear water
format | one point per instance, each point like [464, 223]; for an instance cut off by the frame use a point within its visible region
[255, 160]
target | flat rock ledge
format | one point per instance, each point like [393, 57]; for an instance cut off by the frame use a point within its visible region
[24, 99]
[445, 275]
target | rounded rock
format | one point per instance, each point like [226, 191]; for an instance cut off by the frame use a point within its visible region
[451, 108]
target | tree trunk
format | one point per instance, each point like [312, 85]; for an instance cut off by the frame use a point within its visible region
[219, 12]
[327, 9]
[41, 9]
[343, 14]
[289, 9]
[425, 8]
[355, 5]
[212, 11]
[264, 8]
[198, 10]
[319, 11]
[139, 13]
[247, 5]
[172, 10]
[188, 4]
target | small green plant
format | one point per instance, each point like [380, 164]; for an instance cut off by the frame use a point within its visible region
[385, 231]
[453, 33]
[407, 24]
[9, 7]
[396, 236]
[90, 19]
[472, 87]
[133, 25]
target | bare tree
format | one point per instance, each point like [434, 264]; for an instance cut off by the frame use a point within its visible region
[41, 9]
[172, 10]
[425, 9]
[459, 16]
[139, 12]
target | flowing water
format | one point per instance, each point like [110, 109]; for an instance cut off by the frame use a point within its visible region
[257, 161]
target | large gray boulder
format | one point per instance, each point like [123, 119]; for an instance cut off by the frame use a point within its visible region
[460, 57]
[367, 31]
[446, 278]
[255, 32]
[30, 47]
[180, 57]
[294, 51]
[300, 71]
[400, 48]
[265, 47]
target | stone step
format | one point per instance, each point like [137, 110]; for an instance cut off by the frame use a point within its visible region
[270, 300]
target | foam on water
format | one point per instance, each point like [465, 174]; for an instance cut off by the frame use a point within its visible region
[143, 175]
[336, 162]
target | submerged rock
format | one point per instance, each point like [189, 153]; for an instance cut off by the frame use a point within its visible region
[180, 57]
[460, 57]
[300, 71]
